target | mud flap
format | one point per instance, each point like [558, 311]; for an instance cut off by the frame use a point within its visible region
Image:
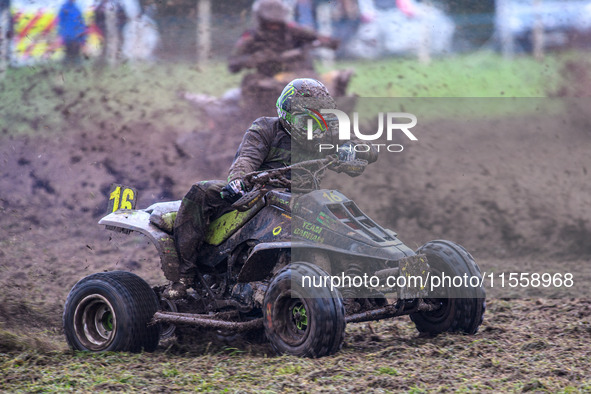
[415, 270]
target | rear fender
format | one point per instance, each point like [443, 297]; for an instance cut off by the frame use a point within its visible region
[139, 221]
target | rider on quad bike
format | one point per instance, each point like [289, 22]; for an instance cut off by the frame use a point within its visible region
[278, 51]
[266, 145]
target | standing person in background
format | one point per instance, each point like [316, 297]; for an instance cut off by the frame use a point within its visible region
[72, 30]
[346, 20]
[304, 12]
[140, 36]
[110, 18]
[5, 35]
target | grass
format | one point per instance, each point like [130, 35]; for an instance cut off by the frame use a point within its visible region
[385, 356]
[393, 360]
[468, 86]
[50, 99]
[47, 98]
[480, 74]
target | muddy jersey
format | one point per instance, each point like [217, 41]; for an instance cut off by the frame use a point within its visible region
[267, 145]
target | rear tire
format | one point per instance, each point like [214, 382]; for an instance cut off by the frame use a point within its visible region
[303, 321]
[461, 308]
[111, 311]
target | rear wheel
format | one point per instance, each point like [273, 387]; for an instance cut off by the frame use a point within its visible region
[303, 320]
[461, 308]
[111, 311]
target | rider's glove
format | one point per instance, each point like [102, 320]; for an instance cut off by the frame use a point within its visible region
[233, 191]
[355, 168]
[346, 152]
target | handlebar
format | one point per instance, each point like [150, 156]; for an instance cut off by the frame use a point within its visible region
[276, 177]
[257, 181]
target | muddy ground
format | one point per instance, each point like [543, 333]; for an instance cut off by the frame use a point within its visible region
[514, 190]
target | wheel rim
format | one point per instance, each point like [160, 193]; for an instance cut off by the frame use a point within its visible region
[439, 315]
[167, 329]
[95, 322]
[293, 319]
[444, 301]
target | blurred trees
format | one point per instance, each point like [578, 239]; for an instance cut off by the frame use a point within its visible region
[177, 23]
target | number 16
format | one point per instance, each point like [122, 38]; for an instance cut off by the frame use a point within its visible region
[121, 197]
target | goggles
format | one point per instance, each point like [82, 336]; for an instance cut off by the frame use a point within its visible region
[314, 125]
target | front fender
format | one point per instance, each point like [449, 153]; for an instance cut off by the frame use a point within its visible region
[264, 256]
[261, 260]
[139, 221]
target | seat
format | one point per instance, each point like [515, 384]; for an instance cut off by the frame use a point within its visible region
[163, 215]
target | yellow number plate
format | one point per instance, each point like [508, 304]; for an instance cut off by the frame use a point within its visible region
[121, 197]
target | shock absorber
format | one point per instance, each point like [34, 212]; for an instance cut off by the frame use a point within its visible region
[351, 297]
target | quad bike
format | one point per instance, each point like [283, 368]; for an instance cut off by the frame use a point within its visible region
[253, 269]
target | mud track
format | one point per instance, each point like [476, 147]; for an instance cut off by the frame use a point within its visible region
[514, 191]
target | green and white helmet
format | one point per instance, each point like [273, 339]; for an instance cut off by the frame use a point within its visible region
[298, 108]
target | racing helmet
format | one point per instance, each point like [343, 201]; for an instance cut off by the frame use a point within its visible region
[298, 108]
[271, 11]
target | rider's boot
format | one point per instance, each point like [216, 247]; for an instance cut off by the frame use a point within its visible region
[178, 290]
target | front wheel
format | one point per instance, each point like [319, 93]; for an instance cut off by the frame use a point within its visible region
[460, 308]
[111, 311]
[303, 320]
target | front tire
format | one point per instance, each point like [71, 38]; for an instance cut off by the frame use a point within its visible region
[303, 321]
[111, 311]
[461, 309]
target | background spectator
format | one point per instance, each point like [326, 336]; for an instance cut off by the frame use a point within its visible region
[111, 39]
[140, 36]
[346, 20]
[5, 35]
[72, 29]
[304, 13]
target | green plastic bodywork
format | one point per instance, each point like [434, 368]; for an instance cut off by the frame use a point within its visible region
[223, 227]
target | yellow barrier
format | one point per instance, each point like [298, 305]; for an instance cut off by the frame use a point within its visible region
[36, 37]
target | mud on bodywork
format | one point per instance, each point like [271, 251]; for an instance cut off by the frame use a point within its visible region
[330, 221]
[141, 221]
